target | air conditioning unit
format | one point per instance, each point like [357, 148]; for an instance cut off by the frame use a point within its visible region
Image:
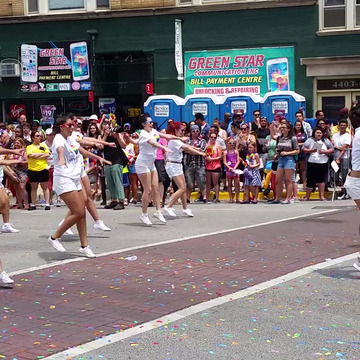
[8, 69]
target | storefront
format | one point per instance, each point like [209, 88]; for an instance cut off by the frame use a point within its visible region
[132, 55]
[336, 82]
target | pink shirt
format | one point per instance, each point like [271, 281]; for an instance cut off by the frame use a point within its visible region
[160, 153]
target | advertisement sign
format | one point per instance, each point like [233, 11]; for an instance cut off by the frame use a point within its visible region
[201, 108]
[178, 49]
[239, 71]
[16, 110]
[47, 113]
[162, 110]
[280, 106]
[50, 67]
[107, 104]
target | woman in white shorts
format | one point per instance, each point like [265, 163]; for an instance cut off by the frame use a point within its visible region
[85, 182]
[352, 183]
[174, 168]
[145, 166]
[68, 167]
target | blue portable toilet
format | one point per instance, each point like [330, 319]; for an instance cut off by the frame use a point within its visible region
[163, 107]
[246, 104]
[286, 102]
[208, 105]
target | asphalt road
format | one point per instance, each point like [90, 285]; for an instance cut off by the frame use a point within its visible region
[31, 247]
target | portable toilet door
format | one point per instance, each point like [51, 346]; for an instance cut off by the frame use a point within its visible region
[208, 105]
[285, 102]
[245, 104]
[163, 107]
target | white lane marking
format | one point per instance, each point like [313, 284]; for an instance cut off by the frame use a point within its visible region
[178, 315]
[138, 247]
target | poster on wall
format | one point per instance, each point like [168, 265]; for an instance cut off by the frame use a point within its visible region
[239, 71]
[55, 67]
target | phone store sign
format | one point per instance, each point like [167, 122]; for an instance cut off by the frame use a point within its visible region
[52, 67]
[239, 71]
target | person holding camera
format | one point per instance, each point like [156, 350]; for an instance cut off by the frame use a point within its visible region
[114, 172]
[38, 172]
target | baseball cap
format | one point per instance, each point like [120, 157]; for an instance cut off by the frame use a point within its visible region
[48, 131]
[93, 117]
[127, 125]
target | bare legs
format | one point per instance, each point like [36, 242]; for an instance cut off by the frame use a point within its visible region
[74, 200]
[280, 173]
[180, 193]
[150, 184]
[45, 189]
[212, 178]
[4, 206]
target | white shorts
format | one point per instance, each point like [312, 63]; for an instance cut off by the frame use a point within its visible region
[63, 185]
[174, 169]
[352, 186]
[144, 166]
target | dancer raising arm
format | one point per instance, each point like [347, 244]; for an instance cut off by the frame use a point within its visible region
[175, 170]
[68, 166]
[145, 165]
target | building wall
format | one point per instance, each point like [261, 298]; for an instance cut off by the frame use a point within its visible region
[137, 4]
[11, 7]
[201, 31]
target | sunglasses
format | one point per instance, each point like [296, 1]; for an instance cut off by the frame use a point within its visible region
[213, 137]
[36, 135]
[243, 129]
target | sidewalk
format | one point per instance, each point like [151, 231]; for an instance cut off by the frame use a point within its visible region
[53, 309]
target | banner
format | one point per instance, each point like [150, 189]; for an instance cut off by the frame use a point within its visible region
[239, 71]
[51, 67]
[178, 50]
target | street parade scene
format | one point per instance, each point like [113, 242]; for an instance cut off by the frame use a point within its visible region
[179, 192]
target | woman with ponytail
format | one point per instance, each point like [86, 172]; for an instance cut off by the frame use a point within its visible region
[174, 168]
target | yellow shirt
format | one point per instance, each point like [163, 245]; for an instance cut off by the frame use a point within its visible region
[37, 164]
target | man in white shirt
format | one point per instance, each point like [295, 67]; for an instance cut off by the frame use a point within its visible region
[342, 141]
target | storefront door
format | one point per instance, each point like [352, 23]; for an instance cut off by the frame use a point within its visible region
[332, 102]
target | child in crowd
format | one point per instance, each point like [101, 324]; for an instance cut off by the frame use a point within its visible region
[251, 174]
[232, 161]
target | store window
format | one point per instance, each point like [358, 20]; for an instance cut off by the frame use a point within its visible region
[36, 7]
[66, 4]
[33, 6]
[339, 15]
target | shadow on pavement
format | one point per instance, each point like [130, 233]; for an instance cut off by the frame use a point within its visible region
[57, 256]
[348, 272]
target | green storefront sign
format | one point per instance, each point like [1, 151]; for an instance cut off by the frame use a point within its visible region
[239, 71]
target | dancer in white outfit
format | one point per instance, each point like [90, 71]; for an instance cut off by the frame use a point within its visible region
[174, 168]
[68, 167]
[145, 166]
[85, 182]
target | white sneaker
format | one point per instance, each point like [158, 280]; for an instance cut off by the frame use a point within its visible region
[68, 231]
[99, 225]
[160, 216]
[5, 279]
[357, 264]
[145, 219]
[8, 228]
[188, 212]
[87, 252]
[57, 245]
[169, 211]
